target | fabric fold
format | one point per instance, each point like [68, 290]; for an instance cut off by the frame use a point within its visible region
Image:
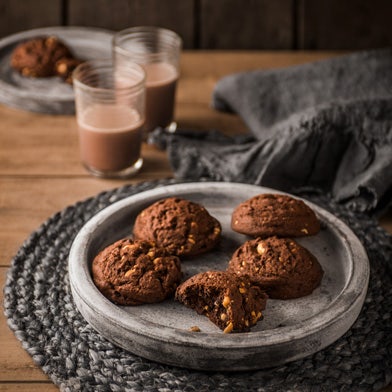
[324, 126]
[264, 98]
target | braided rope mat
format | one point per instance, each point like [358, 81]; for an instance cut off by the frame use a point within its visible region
[41, 312]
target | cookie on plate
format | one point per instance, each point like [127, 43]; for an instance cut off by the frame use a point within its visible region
[183, 227]
[230, 302]
[65, 66]
[37, 57]
[268, 214]
[280, 266]
[136, 272]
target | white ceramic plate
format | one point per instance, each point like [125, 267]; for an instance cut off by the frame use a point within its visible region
[291, 329]
[48, 95]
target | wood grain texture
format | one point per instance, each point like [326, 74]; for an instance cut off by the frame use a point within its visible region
[220, 24]
[28, 387]
[16, 16]
[56, 152]
[251, 24]
[40, 173]
[46, 155]
[177, 15]
[350, 24]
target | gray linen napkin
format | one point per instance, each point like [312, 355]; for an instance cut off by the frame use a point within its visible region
[324, 126]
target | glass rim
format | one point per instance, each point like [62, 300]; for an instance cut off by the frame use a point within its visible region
[109, 64]
[147, 31]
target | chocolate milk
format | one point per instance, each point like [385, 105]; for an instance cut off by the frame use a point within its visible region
[110, 137]
[161, 83]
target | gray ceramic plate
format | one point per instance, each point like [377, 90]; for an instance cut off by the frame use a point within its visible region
[48, 95]
[290, 330]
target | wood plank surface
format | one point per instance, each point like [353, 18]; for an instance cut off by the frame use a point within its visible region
[349, 24]
[40, 174]
[220, 24]
[253, 24]
[46, 154]
[28, 387]
[177, 15]
[16, 16]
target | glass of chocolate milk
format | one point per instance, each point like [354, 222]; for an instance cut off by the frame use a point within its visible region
[110, 112]
[158, 51]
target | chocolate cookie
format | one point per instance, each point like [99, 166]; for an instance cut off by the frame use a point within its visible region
[136, 272]
[281, 266]
[181, 226]
[267, 215]
[65, 66]
[229, 301]
[37, 57]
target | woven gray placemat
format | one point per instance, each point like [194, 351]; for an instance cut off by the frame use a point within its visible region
[40, 310]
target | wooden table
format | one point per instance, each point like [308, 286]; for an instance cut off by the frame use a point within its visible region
[40, 173]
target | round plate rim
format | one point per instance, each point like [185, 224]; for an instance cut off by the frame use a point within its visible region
[52, 30]
[359, 274]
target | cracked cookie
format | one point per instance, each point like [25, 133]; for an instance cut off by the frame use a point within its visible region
[183, 227]
[268, 215]
[136, 272]
[280, 266]
[230, 302]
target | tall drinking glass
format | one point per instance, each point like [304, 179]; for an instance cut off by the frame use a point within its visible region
[110, 107]
[158, 51]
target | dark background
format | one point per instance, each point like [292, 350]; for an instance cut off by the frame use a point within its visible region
[221, 24]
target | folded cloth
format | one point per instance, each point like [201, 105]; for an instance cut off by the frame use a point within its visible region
[324, 126]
